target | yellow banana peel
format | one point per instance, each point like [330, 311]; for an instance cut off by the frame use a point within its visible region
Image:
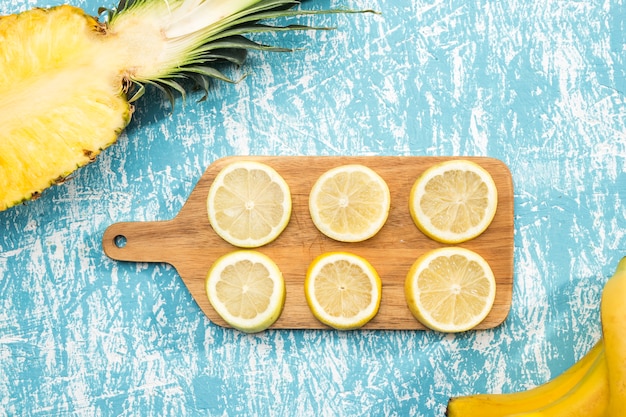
[498, 405]
[595, 386]
[588, 398]
[613, 316]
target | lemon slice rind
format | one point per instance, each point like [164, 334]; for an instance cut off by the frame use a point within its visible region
[413, 293]
[365, 314]
[376, 210]
[424, 221]
[274, 303]
[221, 218]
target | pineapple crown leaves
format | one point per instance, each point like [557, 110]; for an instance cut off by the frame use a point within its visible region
[210, 32]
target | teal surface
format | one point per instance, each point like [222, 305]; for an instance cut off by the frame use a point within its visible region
[539, 84]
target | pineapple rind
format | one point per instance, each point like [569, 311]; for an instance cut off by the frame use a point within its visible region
[49, 129]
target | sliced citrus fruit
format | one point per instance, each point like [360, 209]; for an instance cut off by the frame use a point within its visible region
[246, 289]
[450, 289]
[349, 203]
[249, 204]
[342, 290]
[453, 201]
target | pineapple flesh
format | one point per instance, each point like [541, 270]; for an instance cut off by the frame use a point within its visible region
[67, 79]
[58, 106]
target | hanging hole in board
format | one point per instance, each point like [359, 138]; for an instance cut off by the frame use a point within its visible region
[120, 241]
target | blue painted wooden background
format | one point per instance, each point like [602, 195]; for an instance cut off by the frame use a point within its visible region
[539, 84]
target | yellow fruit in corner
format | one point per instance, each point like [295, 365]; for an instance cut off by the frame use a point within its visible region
[450, 289]
[246, 288]
[595, 386]
[588, 398]
[453, 201]
[249, 204]
[613, 317]
[343, 290]
[540, 397]
[67, 79]
[349, 203]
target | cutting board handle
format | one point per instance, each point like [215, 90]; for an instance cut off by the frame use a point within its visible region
[141, 241]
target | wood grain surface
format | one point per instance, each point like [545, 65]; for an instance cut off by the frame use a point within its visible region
[189, 243]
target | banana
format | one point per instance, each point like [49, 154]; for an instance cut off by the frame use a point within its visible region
[595, 386]
[589, 398]
[613, 316]
[498, 405]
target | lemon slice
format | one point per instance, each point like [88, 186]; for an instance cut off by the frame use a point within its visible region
[349, 203]
[249, 204]
[453, 201]
[246, 289]
[342, 290]
[450, 289]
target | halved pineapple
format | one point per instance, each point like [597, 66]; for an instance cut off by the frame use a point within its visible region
[67, 79]
[58, 106]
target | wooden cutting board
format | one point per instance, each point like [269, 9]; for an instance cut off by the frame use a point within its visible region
[189, 243]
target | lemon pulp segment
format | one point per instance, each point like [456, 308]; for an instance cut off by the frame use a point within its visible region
[342, 290]
[453, 201]
[349, 203]
[246, 288]
[249, 204]
[450, 289]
